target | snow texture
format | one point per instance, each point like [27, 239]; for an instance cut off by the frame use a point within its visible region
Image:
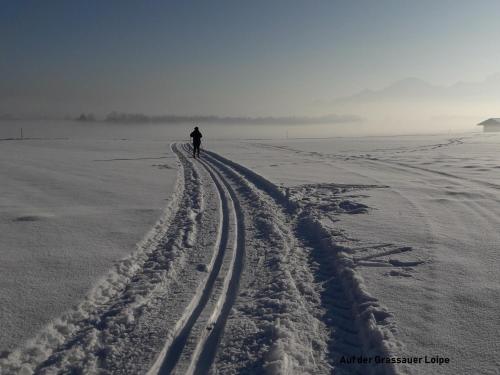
[283, 257]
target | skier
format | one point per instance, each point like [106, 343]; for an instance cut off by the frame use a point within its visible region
[196, 135]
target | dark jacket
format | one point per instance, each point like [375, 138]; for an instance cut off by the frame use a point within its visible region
[196, 135]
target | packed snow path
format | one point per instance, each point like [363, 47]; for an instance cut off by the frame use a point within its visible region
[281, 321]
[236, 278]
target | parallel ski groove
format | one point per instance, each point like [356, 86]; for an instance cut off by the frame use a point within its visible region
[167, 361]
[363, 334]
[205, 352]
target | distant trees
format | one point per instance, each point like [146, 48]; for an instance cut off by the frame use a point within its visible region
[127, 117]
[86, 117]
[286, 120]
[6, 116]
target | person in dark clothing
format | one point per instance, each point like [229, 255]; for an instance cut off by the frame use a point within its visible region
[196, 135]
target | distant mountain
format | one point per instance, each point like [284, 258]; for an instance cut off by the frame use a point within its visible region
[409, 87]
[417, 89]
[490, 87]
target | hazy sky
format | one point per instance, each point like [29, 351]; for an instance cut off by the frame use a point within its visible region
[233, 57]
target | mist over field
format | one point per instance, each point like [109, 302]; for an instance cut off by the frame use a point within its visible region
[414, 105]
[407, 106]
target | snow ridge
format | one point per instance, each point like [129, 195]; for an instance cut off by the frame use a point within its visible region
[367, 329]
[43, 345]
[275, 328]
[372, 322]
[97, 334]
[260, 181]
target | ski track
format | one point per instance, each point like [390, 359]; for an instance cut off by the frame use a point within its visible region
[232, 253]
[205, 351]
[200, 359]
[171, 354]
[355, 320]
[122, 323]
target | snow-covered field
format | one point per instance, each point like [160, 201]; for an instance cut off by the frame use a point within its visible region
[427, 244]
[271, 256]
[69, 209]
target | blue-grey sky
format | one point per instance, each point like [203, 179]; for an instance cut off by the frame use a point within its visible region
[233, 57]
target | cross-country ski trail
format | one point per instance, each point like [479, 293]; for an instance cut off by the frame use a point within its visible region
[236, 277]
